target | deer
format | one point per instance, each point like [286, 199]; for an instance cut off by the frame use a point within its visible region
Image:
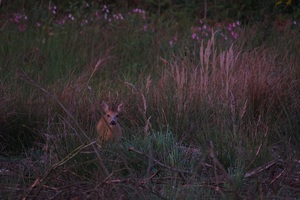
[108, 127]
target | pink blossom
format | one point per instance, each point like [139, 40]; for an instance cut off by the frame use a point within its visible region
[235, 36]
[145, 28]
[194, 35]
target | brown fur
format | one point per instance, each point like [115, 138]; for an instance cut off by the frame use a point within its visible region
[108, 127]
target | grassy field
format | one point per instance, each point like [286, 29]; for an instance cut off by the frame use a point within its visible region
[212, 109]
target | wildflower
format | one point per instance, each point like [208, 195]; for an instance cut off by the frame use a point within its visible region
[140, 11]
[145, 28]
[194, 35]
[105, 9]
[118, 16]
[71, 17]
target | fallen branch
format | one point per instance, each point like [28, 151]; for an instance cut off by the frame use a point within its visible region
[260, 169]
[43, 178]
[217, 164]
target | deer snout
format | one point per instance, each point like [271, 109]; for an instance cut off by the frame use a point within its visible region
[113, 123]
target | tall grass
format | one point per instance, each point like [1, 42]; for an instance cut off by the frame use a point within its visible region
[203, 117]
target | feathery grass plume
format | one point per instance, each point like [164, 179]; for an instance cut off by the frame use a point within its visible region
[183, 84]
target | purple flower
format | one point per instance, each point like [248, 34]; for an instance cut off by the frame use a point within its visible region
[235, 36]
[145, 28]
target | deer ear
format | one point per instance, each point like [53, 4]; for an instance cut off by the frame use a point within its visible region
[104, 106]
[120, 107]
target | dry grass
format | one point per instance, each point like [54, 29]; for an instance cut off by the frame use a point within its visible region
[237, 99]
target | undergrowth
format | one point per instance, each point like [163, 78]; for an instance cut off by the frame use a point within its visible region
[205, 115]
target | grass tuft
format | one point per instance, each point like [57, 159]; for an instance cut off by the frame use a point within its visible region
[211, 110]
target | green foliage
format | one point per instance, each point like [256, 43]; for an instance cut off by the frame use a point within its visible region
[184, 83]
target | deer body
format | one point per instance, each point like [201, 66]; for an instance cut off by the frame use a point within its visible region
[108, 127]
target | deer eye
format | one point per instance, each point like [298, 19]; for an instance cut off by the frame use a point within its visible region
[117, 115]
[108, 115]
